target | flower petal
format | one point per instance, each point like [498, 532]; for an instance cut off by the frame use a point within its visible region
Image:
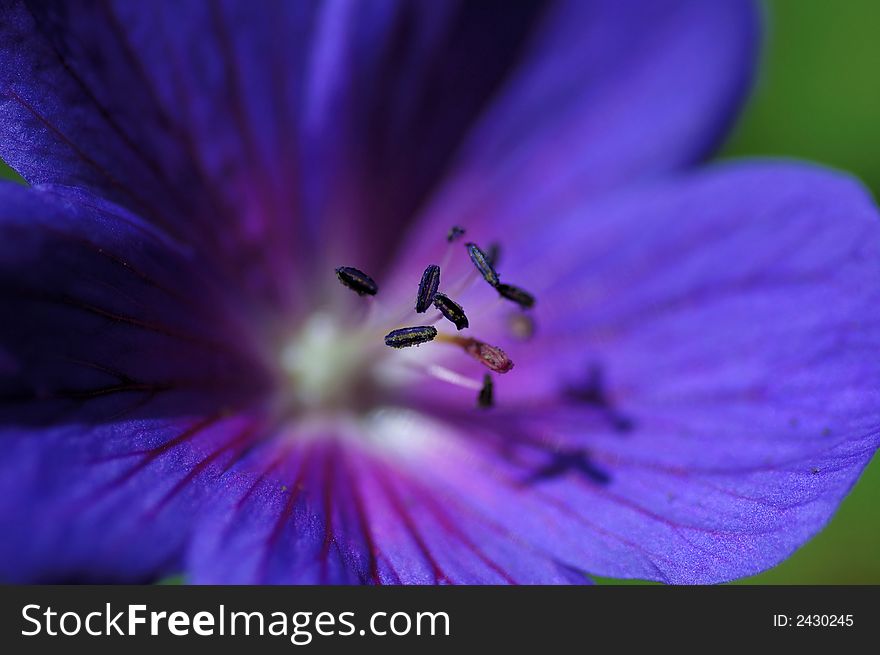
[607, 93]
[112, 501]
[325, 510]
[76, 111]
[626, 513]
[102, 312]
[211, 119]
[337, 119]
[394, 87]
[172, 113]
[117, 360]
[701, 392]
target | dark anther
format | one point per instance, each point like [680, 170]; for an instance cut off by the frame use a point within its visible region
[357, 281]
[427, 288]
[519, 296]
[575, 460]
[484, 266]
[493, 254]
[486, 398]
[410, 336]
[455, 232]
[451, 310]
[592, 392]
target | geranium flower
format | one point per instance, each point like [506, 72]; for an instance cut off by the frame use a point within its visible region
[187, 386]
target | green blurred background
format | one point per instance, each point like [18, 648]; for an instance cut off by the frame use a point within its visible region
[818, 98]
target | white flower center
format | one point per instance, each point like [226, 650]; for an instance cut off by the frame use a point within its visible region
[324, 361]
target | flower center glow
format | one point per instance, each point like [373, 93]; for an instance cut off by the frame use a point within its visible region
[324, 361]
[365, 351]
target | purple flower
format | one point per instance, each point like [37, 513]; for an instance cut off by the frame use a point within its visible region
[185, 385]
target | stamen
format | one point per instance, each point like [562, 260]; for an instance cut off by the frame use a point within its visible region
[451, 310]
[410, 336]
[493, 254]
[483, 264]
[491, 356]
[357, 281]
[428, 288]
[486, 398]
[455, 233]
[446, 375]
[520, 296]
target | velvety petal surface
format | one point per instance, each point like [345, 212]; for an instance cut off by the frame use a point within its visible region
[735, 405]
[211, 118]
[118, 359]
[697, 398]
[570, 113]
[109, 502]
[607, 93]
[166, 109]
[263, 130]
[699, 394]
[331, 507]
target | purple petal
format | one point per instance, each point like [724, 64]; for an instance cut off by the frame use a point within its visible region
[184, 113]
[103, 314]
[607, 93]
[275, 522]
[394, 87]
[209, 118]
[578, 101]
[573, 499]
[701, 391]
[307, 121]
[328, 511]
[77, 111]
[108, 502]
[118, 362]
